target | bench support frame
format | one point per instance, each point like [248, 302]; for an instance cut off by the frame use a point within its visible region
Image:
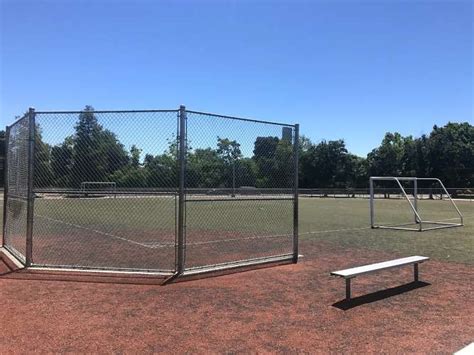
[348, 280]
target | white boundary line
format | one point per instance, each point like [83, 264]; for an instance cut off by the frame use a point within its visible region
[96, 231]
[468, 350]
[155, 245]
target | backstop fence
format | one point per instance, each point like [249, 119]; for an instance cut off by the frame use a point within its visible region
[162, 191]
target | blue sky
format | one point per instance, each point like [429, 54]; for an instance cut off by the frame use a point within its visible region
[342, 69]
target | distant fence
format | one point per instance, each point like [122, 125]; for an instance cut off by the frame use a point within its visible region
[429, 193]
[434, 193]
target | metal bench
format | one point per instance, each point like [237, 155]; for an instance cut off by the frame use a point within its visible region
[349, 274]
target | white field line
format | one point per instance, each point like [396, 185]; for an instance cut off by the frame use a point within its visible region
[334, 230]
[98, 232]
[468, 350]
[238, 239]
[154, 245]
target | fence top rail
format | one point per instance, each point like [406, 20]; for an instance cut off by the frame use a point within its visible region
[242, 119]
[101, 111]
[57, 112]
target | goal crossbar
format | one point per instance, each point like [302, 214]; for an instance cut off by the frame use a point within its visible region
[413, 205]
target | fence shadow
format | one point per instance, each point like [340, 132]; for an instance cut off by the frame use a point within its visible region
[10, 271]
[379, 295]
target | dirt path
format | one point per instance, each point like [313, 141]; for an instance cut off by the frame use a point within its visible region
[281, 309]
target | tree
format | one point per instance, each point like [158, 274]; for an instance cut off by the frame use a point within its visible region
[205, 168]
[61, 162]
[43, 174]
[162, 170]
[229, 151]
[97, 153]
[135, 156]
[328, 164]
[451, 154]
[264, 157]
[386, 160]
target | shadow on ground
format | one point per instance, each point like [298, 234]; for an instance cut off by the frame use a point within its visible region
[379, 295]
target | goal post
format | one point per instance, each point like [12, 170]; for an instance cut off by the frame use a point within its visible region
[419, 223]
[99, 187]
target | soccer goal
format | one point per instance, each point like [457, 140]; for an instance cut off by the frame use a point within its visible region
[99, 188]
[407, 203]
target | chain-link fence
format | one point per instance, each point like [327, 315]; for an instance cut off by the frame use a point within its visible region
[240, 190]
[17, 194]
[152, 190]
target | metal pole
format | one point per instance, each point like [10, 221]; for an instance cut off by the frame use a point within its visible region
[295, 193]
[30, 206]
[348, 289]
[409, 202]
[452, 202]
[5, 185]
[371, 198]
[233, 178]
[181, 190]
[415, 197]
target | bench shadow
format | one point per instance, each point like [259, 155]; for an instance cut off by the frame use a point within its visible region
[379, 295]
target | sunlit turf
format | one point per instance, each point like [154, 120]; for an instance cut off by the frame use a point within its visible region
[343, 222]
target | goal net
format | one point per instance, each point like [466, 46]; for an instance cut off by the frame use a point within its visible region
[98, 188]
[410, 203]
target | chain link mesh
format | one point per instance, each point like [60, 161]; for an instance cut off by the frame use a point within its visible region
[239, 190]
[15, 223]
[106, 187]
[131, 226]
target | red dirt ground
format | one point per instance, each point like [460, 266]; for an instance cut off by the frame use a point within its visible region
[291, 308]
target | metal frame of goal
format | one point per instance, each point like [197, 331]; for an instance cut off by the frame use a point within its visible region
[413, 205]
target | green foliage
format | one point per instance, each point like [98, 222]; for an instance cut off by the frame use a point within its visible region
[96, 152]
[93, 153]
[448, 154]
[329, 164]
[61, 162]
[162, 170]
[451, 154]
[43, 173]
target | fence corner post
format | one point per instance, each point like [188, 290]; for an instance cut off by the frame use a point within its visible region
[5, 185]
[30, 193]
[181, 190]
[295, 193]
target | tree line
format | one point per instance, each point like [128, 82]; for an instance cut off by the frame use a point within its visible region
[94, 153]
[446, 153]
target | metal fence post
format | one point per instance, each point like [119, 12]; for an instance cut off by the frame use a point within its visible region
[371, 199]
[295, 194]
[181, 189]
[5, 184]
[31, 198]
[415, 197]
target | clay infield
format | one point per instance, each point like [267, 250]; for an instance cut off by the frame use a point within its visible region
[290, 308]
[286, 308]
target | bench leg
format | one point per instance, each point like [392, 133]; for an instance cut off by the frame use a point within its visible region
[348, 289]
[415, 266]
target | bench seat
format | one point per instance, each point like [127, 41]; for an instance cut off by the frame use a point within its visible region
[348, 274]
[365, 269]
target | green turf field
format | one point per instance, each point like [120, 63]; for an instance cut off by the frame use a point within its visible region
[453, 244]
[343, 222]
